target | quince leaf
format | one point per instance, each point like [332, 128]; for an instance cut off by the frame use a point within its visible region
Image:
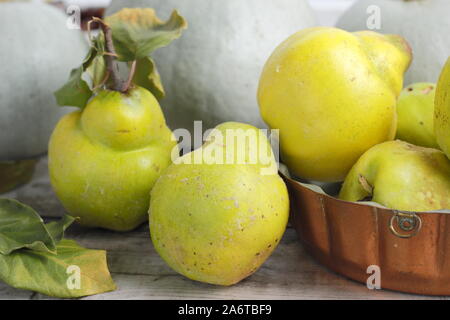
[97, 71]
[147, 76]
[138, 32]
[34, 256]
[97, 68]
[76, 91]
[98, 43]
[21, 227]
[57, 275]
[58, 228]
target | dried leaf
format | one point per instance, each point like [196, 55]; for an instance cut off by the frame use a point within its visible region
[138, 32]
[21, 227]
[73, 272]
[147, 76]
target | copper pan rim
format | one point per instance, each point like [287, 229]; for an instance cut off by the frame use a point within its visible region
[411, 249]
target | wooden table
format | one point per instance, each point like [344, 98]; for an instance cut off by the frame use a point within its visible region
[290, 273]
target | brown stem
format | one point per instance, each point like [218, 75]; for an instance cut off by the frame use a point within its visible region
[102, 83]
[111, 56]
[127, 84]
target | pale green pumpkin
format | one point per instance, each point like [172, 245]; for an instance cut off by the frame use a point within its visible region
[37, 52]
[423, 23]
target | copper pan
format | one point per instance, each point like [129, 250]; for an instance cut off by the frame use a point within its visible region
[412, 250]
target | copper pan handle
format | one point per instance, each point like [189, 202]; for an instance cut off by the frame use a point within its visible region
[406, 221]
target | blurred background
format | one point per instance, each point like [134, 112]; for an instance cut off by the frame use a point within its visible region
[328, 11]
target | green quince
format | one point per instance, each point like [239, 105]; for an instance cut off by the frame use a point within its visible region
[442, 110]
[401, 176]
[217, 220]
[104, 160]
[333, 95]
[415, 110]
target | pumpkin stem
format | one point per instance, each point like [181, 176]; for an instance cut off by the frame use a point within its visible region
[111, 58]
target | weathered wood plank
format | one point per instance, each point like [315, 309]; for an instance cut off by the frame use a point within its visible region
[289, 274]
[9, 293]
[141, 274]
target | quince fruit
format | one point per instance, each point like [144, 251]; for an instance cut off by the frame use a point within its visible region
[217, 220]
[401, 176]
[333, 95]
[104, 160]
[415, 111]
[442, 110]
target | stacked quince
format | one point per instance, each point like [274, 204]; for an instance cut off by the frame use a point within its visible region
[214, 219]
[336, 98]
[217, 213]
[404, 176]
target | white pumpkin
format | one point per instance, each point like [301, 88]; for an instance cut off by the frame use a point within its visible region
[424, 23]
[37, 52]
[211, 73]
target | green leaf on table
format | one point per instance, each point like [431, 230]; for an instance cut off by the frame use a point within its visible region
[34, 256]
[21, 227]
[73, 272]
[57, 228]
[138, 32]
[76, 92]
[147, 76]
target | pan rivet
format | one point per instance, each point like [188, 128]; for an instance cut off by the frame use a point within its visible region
[405, 221]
